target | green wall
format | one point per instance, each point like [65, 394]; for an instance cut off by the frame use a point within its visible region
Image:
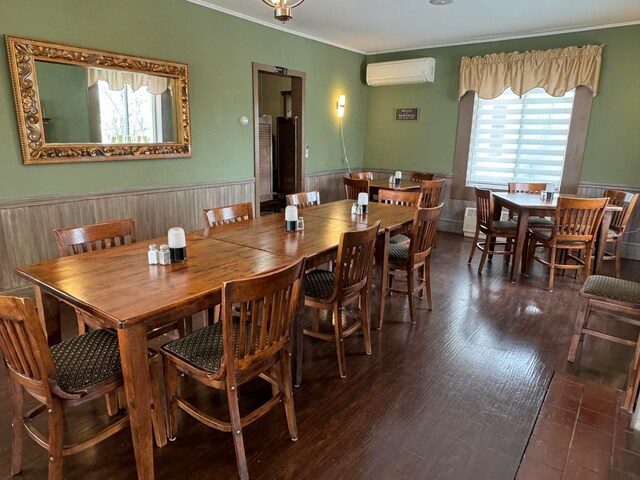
[219, 50]
[63, 92]
[612, 154]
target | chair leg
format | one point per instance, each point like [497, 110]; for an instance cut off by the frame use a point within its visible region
[17, 411]
[286, 382]
[581, 320]
[586, 271]
[492, 246]
[485, 252]
[171, 378]
[634, 380]
[552, 266]
[337, 325]
[56, 439]
[617, 250]
[474, 244]
[236, 428]
[364, 320]
[427, 281]
[158, 417]
[412, 307]
[111, 400]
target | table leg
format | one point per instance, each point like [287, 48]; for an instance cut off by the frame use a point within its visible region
[601, 240]
[49, 313]
[380, 276]
[137, 384]
[523, 220]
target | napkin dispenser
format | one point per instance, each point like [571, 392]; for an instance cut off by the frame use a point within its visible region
[177, 244]
[291, 218]
[363, 202]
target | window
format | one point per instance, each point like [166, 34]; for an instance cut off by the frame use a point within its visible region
[519, 139]
[128, 116]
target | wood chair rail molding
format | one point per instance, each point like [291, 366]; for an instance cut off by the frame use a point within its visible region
[23, 54]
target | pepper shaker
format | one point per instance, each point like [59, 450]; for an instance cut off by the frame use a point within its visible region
[153, 254]
[164, 255]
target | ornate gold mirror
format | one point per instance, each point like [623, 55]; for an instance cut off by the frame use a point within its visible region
[80, 105]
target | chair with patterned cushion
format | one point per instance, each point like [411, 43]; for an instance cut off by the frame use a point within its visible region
[486, 225]
[239, 212]
[619, 220]
[614, 298]
[534, 222]
[347, 285]
[98, 236]
[252, 340]
[576, 223]
[406, 261]
[67, 375]
[361, 175]
[352, 187]
[304, 199]
[421, 176]
[399, 197]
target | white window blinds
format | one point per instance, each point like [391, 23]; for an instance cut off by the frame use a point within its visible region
[519, 139]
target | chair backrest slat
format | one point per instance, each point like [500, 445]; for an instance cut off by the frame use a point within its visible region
[304, 199]
[239, 212]
[423, 231]
[361, 175]
[431, 191]
[97, 236]
[625, 200]
[352, 187]
[578, 219]
[355, 258]
[23, 344]
[421, 176]
[399, 197]
[515, 187]
[268, 305]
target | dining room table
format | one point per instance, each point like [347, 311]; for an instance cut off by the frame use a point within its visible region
[404, 185]
[124, 292]
[526, 205]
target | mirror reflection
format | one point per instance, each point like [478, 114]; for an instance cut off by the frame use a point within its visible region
[82, 104]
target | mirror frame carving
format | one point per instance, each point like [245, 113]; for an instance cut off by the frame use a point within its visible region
[23, 53]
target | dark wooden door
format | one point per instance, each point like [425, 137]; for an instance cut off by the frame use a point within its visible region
[286, 151]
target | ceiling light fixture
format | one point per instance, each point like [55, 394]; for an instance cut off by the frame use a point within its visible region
[282, 10]
[440, 2]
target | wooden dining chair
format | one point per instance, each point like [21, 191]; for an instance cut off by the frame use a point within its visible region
[69, 374]
[616, 299]
[534, 221]
[619, 222]
[239, 212]
[352, 187]
[399, 197]
[252, 340]
[304, 199]
[491, 228]
[431, 191]
[406, 260]
[361, 175]
[87, 238]
[421, 176]
[333, 291]
[576, 223]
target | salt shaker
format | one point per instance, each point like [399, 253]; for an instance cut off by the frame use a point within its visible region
[354, 209]
[164, 255]
[300, 223]
[153, 254]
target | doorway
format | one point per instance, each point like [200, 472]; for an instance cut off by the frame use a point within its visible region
[278, 109]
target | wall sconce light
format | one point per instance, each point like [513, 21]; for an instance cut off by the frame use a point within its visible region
[342, 100]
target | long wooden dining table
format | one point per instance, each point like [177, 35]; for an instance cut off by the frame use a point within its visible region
[124, 292]
[528, 204]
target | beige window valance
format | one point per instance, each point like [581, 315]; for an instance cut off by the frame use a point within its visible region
[117, 79]
[557, 71]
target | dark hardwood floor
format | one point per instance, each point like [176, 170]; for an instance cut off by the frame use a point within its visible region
[454, 396]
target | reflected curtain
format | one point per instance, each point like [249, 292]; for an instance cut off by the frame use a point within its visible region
[557, 71]
[117, 79]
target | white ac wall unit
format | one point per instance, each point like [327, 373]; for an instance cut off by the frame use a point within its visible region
[401, 72]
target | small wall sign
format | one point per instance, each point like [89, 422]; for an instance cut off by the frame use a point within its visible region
[407, 114]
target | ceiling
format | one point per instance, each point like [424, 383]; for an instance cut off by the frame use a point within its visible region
[374, 26]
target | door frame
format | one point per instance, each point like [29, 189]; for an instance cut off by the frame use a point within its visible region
[298, 92]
